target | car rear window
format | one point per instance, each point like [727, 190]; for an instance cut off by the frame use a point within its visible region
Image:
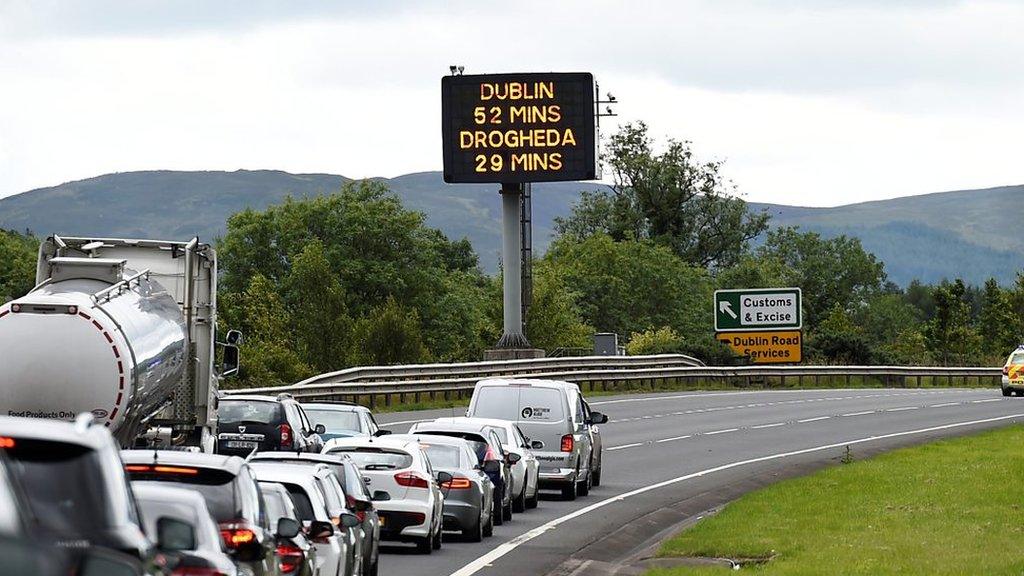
[251, 411]
[377, 458]
[442, 456]
[64, 485]
[303, 506]
[1017, 358]
[519, 403]
[335, 420]
[277, 506]
[216, 486]
[476, 441]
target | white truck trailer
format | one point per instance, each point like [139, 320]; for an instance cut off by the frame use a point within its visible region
[123, 329]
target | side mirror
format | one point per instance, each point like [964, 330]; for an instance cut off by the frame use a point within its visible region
[492, 466]
[320, 429]
[349, 520]
[512, 457]
[536, 445]
[232, 341]
[361, 505]
[288, 528]
[381, 496]
[445, 480]
[382, 432]
[598, 418]
[174, 535]
[319, 530]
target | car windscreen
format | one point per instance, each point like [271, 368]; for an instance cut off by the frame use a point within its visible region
[63, 483]
[378, 458]
[251, 411]
[519, 403]
[216, 486]
[334, 420]
[442, 456]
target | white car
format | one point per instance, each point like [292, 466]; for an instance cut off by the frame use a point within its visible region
[525, 472]
[332, 545]
[407, 495]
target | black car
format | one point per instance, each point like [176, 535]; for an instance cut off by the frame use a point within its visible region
[265, 423]
[357, 496]
[231, 493]
[73, 487]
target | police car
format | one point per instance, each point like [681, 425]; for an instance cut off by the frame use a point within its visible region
[1013, 373]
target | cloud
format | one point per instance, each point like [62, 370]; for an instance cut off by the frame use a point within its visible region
[811, 102]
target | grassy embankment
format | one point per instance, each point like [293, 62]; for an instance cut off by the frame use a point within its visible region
[950, 507]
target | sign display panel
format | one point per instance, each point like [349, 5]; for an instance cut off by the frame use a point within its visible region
[757, 309]
[780, 347]
[515, 128]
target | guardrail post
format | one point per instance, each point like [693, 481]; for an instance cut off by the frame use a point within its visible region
[387, 399]
[373, 403]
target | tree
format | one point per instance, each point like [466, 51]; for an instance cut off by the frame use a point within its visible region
[626, 287]
[670, 198]
[390, 334]
[554, 319]
[837, 271]
[997, 322]
[316, 301]
[664, 340]
[17, 264]
[951, 339]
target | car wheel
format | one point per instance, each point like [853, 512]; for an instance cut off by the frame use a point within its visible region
[425, 545]
[569, 491]
[597, 475]
[1007, 392]
[519, 502]
[436, 543]
[531, 502]
[584, 487]
[489, 526]
[497, 513]
[372, 570]
[506, 511]
[474, 533]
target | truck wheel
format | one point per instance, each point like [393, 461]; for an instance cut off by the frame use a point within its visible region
[584, 487]
[569, 491]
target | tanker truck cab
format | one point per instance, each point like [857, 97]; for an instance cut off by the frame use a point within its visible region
[124, 330]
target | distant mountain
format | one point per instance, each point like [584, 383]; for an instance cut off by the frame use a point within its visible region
[971, 233]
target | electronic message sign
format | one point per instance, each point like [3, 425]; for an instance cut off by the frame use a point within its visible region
[514, 128]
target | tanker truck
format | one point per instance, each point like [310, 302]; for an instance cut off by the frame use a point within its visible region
[122, 329]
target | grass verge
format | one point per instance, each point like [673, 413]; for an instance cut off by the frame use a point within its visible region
[949, 507]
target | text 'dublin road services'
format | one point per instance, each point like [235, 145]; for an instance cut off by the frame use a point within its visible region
[779, 347]
[514, 128]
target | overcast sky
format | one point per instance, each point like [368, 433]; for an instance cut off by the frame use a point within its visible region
[811, 102]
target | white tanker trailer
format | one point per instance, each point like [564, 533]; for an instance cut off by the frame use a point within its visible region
[123, 329]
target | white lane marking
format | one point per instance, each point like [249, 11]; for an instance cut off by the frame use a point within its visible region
[767, 425]
[902, 408]
[503, 549]
[405, 422]
[726, 431]
[624, 446]
[859, 413]
[989, 400]
[673, 439]
[813, 419]
[944, 404]
[713, 394]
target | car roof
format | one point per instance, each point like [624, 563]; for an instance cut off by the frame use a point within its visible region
[165, 492]
[304, 457]
[495, 422]
[559, 384]
[268, 471]
[433, 439]
[93, 436]
[231, 464]
[384, 442]
[337, 406]
[451, 426]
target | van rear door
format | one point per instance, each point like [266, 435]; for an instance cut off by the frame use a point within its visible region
[540, 411]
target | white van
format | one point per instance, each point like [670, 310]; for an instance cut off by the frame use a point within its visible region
[553, 415]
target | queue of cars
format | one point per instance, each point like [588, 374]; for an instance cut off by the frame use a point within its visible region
[292, 490]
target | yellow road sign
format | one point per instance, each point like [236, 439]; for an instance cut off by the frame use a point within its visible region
[775, 347]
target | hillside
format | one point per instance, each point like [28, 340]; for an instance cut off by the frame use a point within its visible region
[967, 233]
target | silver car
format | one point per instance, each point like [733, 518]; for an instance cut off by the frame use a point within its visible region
[469, 496]
[555, 417]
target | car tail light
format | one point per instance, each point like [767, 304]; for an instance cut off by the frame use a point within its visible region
[458, 484]
[6, 442]
[568, 443]
[286, 436]
[236, 534]
[289, 557]
[350, 501]
[196, 571]
[161, 469]
[1006, 370]
[411, 480]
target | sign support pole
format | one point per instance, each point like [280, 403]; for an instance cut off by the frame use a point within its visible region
[511, 255]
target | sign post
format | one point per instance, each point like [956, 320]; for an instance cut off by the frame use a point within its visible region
[763, 324]
[512, 130]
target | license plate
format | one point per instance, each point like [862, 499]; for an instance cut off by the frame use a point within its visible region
[241, 444]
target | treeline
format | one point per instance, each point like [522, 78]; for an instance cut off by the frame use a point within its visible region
[354, 278]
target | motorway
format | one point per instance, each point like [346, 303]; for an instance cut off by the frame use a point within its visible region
[672, 457]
